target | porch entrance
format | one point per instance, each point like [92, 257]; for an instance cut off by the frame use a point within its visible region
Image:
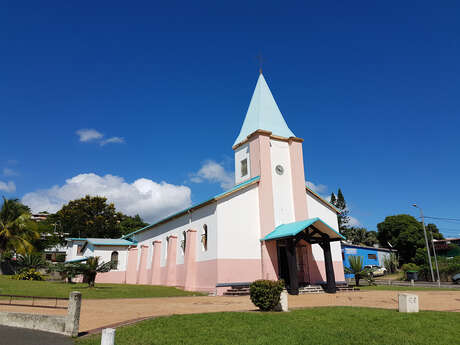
[290, 242]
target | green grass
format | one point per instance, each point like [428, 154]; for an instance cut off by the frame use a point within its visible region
[58, 289]
[405, 288]
[332, 325]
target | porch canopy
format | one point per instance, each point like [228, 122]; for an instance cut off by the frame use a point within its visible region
[318, 231]
[314, 231]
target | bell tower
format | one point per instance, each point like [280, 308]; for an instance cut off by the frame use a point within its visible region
[266, 147]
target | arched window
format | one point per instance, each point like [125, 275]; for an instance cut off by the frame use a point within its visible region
[204, 238]
[114, 260]
[183, 242]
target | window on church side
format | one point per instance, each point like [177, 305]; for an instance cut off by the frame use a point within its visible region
[114, 260]
[204, 238]
[244, 167]
[183, 243]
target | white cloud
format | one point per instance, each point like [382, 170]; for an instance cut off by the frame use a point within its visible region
[89, 135]
[150, 199]
[212, 171]
[8, 187]
[113, 140]
[353, 222]
[317, 188]
[9, 172]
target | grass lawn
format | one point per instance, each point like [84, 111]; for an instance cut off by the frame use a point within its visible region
[334, 325]
[58, 289]
[405, 288]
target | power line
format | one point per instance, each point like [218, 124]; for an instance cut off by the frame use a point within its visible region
[442, 218]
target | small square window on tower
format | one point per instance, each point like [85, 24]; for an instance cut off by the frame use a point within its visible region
[244, 167]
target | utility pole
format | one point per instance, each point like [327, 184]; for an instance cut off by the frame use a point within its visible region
[426, 242]
[435, 259]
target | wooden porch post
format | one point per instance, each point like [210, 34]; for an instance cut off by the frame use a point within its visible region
[292, 264]
[330, 276]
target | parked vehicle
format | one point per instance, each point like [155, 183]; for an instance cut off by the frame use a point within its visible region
[377, 271]
[456, 278]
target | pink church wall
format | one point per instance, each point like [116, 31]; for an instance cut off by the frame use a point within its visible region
[171, 261]
[190, 261]
[261, 163]
[298, 179]
[114, 277]
[131, 271]
[155, 269]
[142, 272]
[238, 270]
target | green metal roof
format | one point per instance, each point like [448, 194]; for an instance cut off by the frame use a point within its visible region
[292, 229]
[263, 113]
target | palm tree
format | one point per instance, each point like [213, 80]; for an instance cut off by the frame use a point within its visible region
[17, 230]
[93, 267]
[356, 268]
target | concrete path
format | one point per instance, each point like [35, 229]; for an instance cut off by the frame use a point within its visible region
[20, 336]
[102, 313]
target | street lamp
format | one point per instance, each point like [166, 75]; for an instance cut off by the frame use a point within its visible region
[426, 242]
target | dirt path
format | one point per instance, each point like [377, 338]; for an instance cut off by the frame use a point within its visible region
[100, 313]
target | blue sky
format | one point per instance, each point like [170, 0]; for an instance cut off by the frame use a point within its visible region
[371, 87]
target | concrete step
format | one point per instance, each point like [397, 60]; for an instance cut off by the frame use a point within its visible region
[311, 289]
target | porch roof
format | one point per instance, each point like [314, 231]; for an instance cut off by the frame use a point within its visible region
[292, 229]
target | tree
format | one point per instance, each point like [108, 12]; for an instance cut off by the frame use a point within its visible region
[33, 260]
[333, 199]
[94, 217]
[17, 230]
[404, 233]
[356, 268]
[89, 217]
[129, 224]
[359, 235]
[93, 267]
[343, 218]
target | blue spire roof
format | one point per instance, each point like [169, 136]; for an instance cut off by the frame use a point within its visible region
[263, 113]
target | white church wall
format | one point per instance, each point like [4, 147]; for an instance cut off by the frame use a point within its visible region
[194, 220]
[239, 228]
[336, 251]
[105, 254]
[241, 154]
[318, 209]
[282, 183]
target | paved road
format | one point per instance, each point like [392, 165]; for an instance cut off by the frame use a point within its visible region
[20, 336]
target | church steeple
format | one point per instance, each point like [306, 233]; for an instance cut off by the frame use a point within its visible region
[263, 113]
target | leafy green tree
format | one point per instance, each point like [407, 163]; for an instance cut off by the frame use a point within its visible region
[129, 224]
[68, 270]
[356, 268]
[17, 230]
[371, 238]
[405, 234]
[359, 235]
[89, 217]
[92, 217]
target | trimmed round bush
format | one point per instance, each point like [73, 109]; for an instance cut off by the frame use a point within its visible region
[265, 294]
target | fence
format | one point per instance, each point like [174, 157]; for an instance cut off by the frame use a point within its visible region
[67, 324]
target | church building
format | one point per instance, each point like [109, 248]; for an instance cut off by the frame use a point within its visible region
[270, 225]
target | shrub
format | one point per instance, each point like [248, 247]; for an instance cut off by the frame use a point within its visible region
[265, 294]
[28, 274]
[410, 267]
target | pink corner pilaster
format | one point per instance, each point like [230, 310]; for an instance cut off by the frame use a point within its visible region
[298, 179]
[171, 261]
[190, 261]
[142, 272]
[261, 164]
[131, 269]
[155, 269]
